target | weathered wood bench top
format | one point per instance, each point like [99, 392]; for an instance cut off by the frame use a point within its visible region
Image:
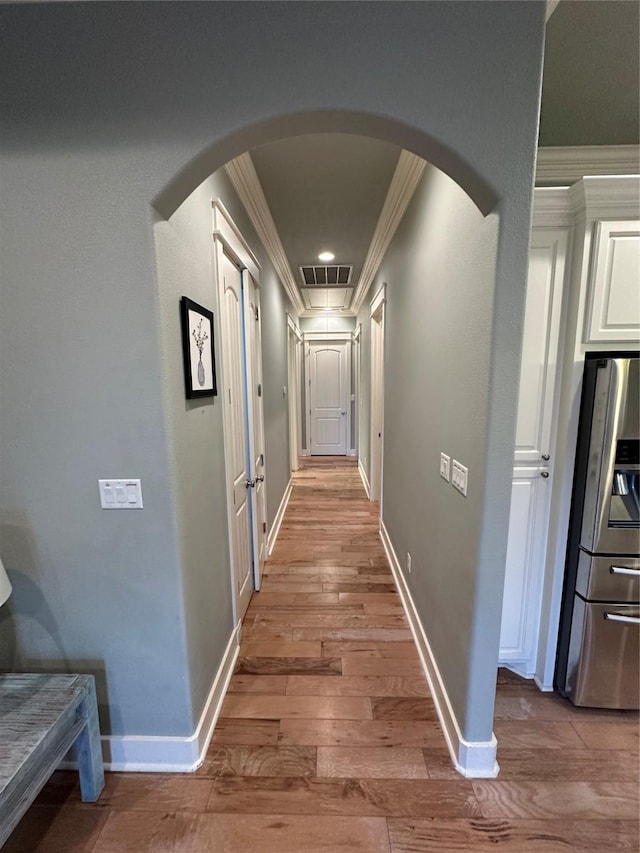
[41, 717]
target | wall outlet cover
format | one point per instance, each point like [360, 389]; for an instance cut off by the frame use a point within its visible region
[445, 467]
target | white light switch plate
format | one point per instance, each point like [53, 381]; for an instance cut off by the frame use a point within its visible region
[120, 494]
[459, 477]
[445, 467]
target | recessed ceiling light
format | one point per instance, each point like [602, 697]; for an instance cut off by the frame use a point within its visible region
[326, 256]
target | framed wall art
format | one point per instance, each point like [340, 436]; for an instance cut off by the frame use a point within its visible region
[197, 347]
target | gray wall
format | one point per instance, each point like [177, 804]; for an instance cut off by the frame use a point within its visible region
[107, 109]
[440, 289]
[185, 267]
[328, 323]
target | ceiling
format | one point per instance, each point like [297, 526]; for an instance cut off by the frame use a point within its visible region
[327, 191]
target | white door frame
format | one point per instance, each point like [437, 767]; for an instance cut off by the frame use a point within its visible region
[329, 338]
[255, 431]
[356, 389]
[376, 441]
[228, 238]
[294, 338]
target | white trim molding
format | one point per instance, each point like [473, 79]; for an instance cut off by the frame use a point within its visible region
[310, 337]
[364, 478]
[379, 299]
[246, 183]
[401, 189]
[277, 521]
[225, 230]
[167, 754]
[291, 323]
[566, 165]
[473, 759]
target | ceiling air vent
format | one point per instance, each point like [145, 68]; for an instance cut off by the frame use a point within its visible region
[327, 275]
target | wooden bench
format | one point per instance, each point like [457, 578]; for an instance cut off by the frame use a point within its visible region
[41, 717]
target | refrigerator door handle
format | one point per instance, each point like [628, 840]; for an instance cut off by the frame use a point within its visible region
[629, 620]
[619, 570]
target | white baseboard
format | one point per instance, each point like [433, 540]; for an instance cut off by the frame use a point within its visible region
[364, 478]
[277, 522]
[352, 452]
[157, 754]
[473, 759]
[544, 688]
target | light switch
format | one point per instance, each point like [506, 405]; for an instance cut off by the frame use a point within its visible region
[120, 494]
[459, 477]
[445, 467]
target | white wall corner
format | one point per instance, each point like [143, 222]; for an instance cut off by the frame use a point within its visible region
[277, 522]
[472, 759]
[364, 478]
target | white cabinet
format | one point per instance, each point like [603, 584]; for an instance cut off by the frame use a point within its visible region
[535, 432]
[614, 283]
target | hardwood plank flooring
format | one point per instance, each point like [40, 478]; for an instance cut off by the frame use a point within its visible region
[328, 739]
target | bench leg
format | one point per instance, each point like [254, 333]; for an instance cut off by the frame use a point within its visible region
[89, 751]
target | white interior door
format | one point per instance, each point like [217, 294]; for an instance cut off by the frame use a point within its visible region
[329, 397]
[255, 398]
[236, 451]
[533, 466]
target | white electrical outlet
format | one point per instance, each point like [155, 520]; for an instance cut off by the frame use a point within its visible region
[445, 467]
[459, 477]
[409, 562]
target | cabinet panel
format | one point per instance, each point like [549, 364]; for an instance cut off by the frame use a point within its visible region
[524, 567]
[614, 291]
[538, 369]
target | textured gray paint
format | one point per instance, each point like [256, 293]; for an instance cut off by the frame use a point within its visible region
[590, 90]
[185, 264]
[106, 107]
[439, 274]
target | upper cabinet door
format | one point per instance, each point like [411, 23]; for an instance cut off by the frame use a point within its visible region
[539, 368]
[613, 314]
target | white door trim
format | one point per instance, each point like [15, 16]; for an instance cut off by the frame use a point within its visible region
[376, 425]
[339, 340]
[228, 239]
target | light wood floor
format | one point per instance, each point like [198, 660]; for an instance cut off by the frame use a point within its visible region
[328, 739]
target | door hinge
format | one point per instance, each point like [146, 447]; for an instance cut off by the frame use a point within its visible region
[257, 314]
[264, 526]
[259, 390]
[262, 458]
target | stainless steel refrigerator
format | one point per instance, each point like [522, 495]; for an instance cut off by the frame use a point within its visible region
[598, 646]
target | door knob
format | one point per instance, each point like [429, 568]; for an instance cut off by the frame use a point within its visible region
[343, 413]
[544, 474]
[259, 478]
[546, 457]
[249, 483]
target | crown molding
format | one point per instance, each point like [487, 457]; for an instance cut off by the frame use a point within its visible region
[566, 165]
[551, 207]
[246, 183]
[401, 189]
[616, 197]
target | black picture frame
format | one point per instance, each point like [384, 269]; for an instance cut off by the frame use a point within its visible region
[198, 350]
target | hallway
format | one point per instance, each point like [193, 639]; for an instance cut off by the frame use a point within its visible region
[328, 740]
